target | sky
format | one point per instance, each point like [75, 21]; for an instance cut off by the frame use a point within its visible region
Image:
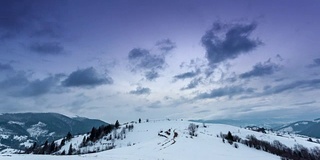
[129, 59]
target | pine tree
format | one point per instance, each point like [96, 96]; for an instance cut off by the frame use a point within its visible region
[93, 134]
[69, 136]
[117, 124]
[63, 142]
[84, 141]
[70, 150]
[52, 147]
[139, 120]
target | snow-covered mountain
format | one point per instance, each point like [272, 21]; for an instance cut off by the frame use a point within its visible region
[307, 128]
[21, 130]
[171, 140]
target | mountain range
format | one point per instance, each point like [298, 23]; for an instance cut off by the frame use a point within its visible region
[307, 128]
[19, 130]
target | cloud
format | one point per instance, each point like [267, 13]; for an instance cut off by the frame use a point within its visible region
[140, 91]
[151, 75]
[47, 48]
[16, 14]
[193, 84]
[304, 103]
[27, 18]
[86, 78]
[227, 41]
[18, 84]
[316, 63]
[150, 62]
[155, 105]
[229, 91]
[187, 75]
[139, 109]
[166, 45]
[39, 87]
[310, 84]
[261, 69]
[5, 67]
[142, 59]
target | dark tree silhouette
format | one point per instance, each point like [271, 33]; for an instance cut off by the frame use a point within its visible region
[117, 124]
[192, 129]
[69, 136]
[70, 150]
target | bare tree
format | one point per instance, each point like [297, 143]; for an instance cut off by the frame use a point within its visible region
[192, 129]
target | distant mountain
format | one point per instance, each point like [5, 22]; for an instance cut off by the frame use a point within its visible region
[19, 130]
[307, 128]
[266, 123]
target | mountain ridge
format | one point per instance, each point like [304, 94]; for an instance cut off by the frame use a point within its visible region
[39, 127]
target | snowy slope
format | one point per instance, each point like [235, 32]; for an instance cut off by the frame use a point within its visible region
[149, 145]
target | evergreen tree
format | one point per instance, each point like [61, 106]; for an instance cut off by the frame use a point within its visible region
[117, 124]
[70, 150]
[63, 142]
[93, 134]
[229, 136]
[45, 148]
[69, 136]
[52, 147]
[139, 120]
[84, 141]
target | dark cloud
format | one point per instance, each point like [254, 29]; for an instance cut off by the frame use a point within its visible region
[302, 84]
[40, 87]
[47, 48]
[305, 103]
[29, 18]
[166, 45]
[5, 67]
[14, 16]
[18, 84]
[86, 78]
[187, 75]
[143, 60]
[229, 91]
[261, 69]
[14, 81]
[227, 41]
[193, 84]
[316, 63]
[140, 91]
[151, 75]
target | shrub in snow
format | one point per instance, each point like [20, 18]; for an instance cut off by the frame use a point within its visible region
[192, 129]
[236, 145]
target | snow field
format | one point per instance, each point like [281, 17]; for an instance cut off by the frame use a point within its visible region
[146, 144]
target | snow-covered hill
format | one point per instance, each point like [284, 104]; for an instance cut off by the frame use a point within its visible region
[307, 128]
[20, 130]
[147, 141]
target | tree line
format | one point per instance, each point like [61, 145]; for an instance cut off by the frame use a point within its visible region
[298, 152]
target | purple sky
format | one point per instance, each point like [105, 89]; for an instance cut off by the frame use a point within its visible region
[129, 59]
